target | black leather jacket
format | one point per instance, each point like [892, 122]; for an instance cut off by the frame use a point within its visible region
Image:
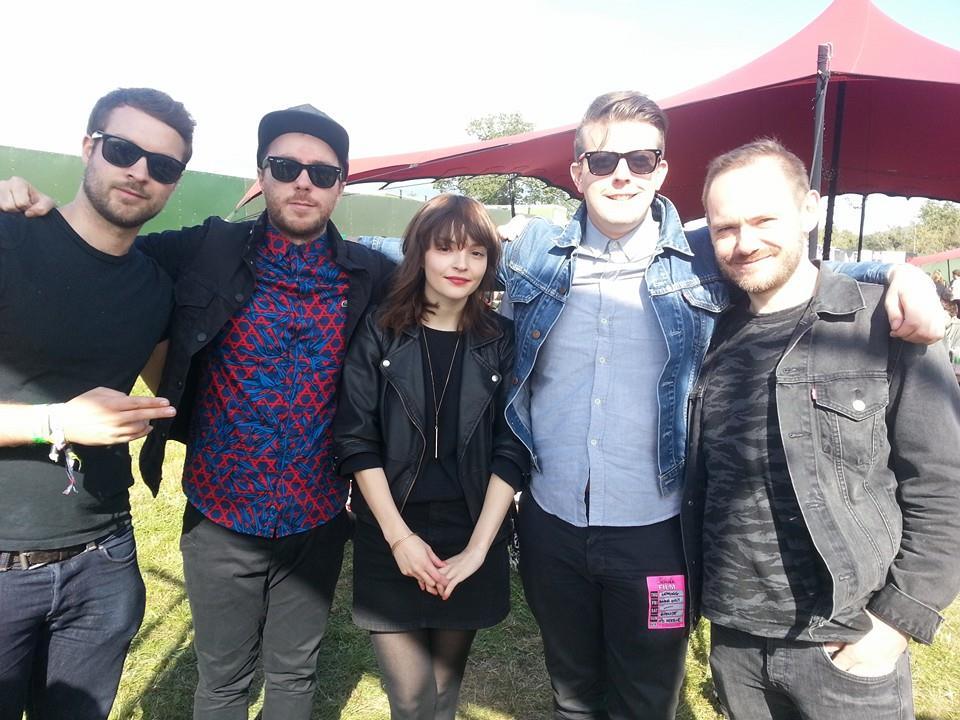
[382, 409]
[213, 270]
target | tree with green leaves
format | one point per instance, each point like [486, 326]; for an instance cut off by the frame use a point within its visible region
[503, 189]
[937, 229]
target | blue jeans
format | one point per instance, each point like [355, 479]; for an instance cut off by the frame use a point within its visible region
[65, 629]
[765, 679]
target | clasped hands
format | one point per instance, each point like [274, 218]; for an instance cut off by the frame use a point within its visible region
[416, 559]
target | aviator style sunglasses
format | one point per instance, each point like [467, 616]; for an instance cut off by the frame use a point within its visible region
[286, 170]
[604, 162]
[123, 153]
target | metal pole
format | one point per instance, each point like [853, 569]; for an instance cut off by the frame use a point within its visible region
[863, 215]
[824, 53]
[834, 167]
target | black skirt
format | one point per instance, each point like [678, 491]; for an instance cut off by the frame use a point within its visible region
[386, 601]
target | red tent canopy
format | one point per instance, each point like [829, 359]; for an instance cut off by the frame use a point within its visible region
[936, 257]
[898, 135]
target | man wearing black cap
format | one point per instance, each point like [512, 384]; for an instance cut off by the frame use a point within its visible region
[264, 310]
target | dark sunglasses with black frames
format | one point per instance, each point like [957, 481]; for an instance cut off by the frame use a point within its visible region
[123, 153]
[286, 170]
[640, 162]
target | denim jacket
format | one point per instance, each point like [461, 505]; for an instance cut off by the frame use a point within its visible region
[869, 427]
[687, 293]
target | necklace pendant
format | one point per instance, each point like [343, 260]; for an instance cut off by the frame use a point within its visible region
[436, 442]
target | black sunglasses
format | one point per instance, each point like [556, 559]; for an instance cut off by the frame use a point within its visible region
[604, 162]
[123, 153]
[286, 170]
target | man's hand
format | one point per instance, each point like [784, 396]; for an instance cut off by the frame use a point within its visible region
[514, 227]
[19, 196]
[874, 654]
[913, 306]
[106, 417]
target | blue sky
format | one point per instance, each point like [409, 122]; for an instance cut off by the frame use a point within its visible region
[400, 76]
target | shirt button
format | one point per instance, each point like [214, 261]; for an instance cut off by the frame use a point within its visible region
[345, 303]
[201, 337]
[386, 363]
[603, 321]
[495, 377]
[593, 442]
[238, 297]
[596, 401]
[535, 334]
[602, 360]
[859, 405]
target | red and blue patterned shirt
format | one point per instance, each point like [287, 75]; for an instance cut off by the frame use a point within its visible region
[260, 453]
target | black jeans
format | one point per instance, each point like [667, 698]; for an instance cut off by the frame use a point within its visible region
[65, 629]
[765, 679]
[611, 606]
[252, 596]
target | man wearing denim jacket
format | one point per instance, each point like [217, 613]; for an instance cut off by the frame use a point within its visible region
[629, 303]
[823, 491]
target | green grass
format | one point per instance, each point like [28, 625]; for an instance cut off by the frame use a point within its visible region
[505, 677]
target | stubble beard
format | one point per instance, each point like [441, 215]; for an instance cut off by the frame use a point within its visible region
[98, 193]
[295, 228]
[789, 260]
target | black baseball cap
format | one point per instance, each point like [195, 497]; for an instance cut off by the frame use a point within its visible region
[308, 120]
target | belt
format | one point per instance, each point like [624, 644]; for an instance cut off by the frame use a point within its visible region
[28, 559]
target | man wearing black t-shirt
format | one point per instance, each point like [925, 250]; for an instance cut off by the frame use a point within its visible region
[81, 311]
[822, 508]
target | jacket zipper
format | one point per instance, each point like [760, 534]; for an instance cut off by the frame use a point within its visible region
[423, 449]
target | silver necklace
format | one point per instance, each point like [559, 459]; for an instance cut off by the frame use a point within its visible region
[433, 389]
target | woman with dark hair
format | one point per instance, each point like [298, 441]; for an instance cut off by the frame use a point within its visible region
[421, 428]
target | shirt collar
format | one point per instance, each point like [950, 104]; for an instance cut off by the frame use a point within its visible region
[276, 245]
[637, 245]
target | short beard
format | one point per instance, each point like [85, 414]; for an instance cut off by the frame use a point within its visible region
[98, 194]
[304, 233]
[789, 260]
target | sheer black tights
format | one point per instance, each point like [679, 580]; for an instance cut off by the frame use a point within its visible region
[422, 671]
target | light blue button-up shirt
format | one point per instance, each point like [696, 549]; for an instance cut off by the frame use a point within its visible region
[594, 390]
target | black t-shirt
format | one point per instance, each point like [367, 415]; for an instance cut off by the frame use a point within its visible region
[761, 572]
[438, 477]
[71, 319]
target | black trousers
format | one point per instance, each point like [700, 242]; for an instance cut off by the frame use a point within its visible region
[259, 597]
[611, 606]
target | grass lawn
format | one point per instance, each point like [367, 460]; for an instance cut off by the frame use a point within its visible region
[505, 676]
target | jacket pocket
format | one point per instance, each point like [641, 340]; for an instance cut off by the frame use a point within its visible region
[850, 433]
[520, 289]
[851, 418]
[191, 292]
[713, 297]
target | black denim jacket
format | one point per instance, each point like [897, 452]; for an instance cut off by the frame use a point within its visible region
[871, 430]
[213, 270]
